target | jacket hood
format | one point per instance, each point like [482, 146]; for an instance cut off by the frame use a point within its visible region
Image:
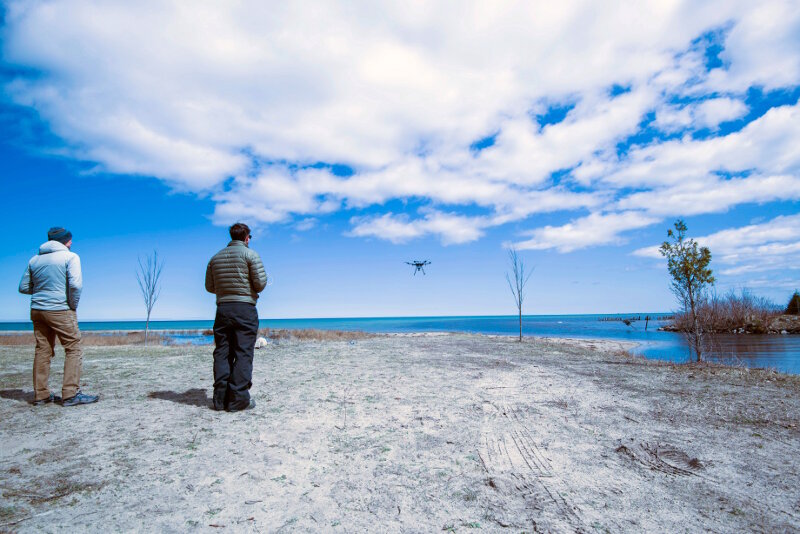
[52, 246]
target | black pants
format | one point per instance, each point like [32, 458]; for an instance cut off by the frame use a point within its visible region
[235, 332]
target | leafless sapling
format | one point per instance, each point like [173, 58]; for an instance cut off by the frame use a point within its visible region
[520, 279]
[149, 277]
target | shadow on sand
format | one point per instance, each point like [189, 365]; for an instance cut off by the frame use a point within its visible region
[191, 397]
[17, 395]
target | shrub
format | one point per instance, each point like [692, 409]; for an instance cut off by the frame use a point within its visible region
[730, 312]
[793, 308]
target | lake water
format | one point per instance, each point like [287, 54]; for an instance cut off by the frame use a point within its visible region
[776, 351]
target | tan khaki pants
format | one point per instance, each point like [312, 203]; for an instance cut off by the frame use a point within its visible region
[47, 325]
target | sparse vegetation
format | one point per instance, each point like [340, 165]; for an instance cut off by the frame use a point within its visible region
[731, 312]
[738, 313]
[7, 512]
[313, 334]
[148, 276]
[105, 339]
[688, 264]
[164, 337]
[517, 286]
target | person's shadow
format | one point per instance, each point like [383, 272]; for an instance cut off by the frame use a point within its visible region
[190, 397]
[17, 395]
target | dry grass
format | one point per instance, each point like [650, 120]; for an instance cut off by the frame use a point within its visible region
[730, 312]
[314, 334]
[708, 368]
[111, 339]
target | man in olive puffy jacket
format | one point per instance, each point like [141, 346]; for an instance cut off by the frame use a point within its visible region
[236, 275]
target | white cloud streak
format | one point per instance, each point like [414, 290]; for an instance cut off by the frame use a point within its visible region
[595, 229]
[769, 246]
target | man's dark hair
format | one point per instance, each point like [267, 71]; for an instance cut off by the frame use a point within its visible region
[239, 231]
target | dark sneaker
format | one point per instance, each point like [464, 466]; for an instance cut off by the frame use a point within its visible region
[248, 407]
[80, 398]
[48, 400]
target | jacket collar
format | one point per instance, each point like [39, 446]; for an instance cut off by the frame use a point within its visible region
[236, 243]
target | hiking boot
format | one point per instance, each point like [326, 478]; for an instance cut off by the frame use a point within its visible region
[80, 398]
[48, 400]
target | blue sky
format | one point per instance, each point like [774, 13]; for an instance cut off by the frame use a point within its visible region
[355, 137]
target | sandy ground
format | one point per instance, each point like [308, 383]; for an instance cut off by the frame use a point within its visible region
[420, 433]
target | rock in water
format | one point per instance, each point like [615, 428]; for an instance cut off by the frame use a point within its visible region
[789, 323]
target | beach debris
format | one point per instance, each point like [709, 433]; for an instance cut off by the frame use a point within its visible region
[261, 342]
[418, 265]
[661, 457]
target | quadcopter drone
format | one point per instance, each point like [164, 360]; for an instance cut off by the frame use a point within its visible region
[418, 265]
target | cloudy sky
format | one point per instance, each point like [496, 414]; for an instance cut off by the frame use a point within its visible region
[355, 136]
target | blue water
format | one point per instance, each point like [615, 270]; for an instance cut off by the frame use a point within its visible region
[775, 351]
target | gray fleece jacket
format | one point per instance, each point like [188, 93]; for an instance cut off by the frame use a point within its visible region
[53, 278]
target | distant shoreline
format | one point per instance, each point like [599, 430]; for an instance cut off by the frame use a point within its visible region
[162, 324]
[780, 352]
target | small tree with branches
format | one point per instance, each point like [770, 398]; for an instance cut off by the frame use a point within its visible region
[793, 308]
[517, 285]
[149, 277]
[688, 264]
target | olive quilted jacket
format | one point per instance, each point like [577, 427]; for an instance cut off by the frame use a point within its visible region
[236, 274]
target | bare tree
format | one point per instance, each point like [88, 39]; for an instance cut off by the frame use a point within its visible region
[149, 277]
[517, 286]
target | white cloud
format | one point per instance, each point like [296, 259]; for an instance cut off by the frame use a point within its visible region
[761, 49]
[595, 229]
[705, 114]
[306, 224]
[674, 118]
[769, 246]
[768, 145]
[712, 194]
[711, 113]
[241, 101]
[450, 228]
[773, 245]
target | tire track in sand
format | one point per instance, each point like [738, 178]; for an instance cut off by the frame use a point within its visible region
[517, 469]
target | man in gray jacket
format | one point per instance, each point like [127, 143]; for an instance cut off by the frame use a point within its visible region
[236, 275]
[53, 278]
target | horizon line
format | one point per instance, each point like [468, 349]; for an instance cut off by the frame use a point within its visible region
[8, 321]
